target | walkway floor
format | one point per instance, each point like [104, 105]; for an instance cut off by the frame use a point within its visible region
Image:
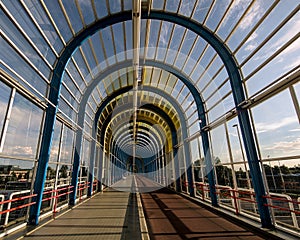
[116, 215]
[170, 216]
[111, 215]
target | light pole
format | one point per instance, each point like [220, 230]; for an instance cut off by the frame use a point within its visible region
[244, 160]
[243, 155]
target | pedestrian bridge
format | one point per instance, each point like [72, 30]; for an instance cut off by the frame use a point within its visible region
[150, 113]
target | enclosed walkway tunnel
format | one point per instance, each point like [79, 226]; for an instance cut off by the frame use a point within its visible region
[198, 96]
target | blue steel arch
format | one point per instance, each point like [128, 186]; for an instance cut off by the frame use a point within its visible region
[147, 121]
[200, 109]
[154, 109]
[235, 81]
[140, 119]
[145, 137]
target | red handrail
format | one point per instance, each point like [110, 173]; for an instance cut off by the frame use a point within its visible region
[17, 199]
[282, 200]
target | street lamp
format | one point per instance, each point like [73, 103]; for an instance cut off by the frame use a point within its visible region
[240, 141]
[243, 155]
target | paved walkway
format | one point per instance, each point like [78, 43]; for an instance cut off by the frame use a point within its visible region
[111, 215]
[170, 216]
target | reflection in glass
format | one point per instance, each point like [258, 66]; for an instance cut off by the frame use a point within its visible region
[55, 142]
[15, 174]
[4, 98]
[67, 146]
[23, 129]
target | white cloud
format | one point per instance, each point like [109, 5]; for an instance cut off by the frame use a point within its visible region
[266, 127]
[251, 47]
[292, 146]
[293, 64]
[22, 151]
[186, 7]
[252, 37]
[295, 130]
[293, 30]
[255, 13]
[163, 37]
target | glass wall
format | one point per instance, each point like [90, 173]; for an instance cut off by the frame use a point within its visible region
[20, 125]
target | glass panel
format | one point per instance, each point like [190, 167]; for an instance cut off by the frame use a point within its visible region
[175, 43]
[64, 174]
[87, 11]
[67, 146]
[85, 152]
[108, 46]
[157, 4]
[177, 88]
[96, 42]
[24, 129]
[69, 97]
[236, 11]
[15, 174]
[66, 109]
[40, 16]
[193, 118]
[283, 176]
[217, 111]
[154, 29]
[71, 86]
[21, 67]
[4, 99]
[81, 65]
[183, 94]
[155, 77]
[101, 9]
[59, 19]
[242, 175]
[75, 74]
[254, 15]
[73, 14]
[185, 49]
[267, 26]
[194, 128]
[51, 173]
[219, 145]
[115, 6]
[172, 5]
[92, 103]
[119, 41]
[127, 5]
[236, 141]
[128, 32]
[277, 131]
[224, 176]
[163, 40]
[55, 142]
[201, 10]
[276, 68]
[89, 57]
[187, 102]
[30, 29]
[216, 14]
[187, 7]
[297, 90]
